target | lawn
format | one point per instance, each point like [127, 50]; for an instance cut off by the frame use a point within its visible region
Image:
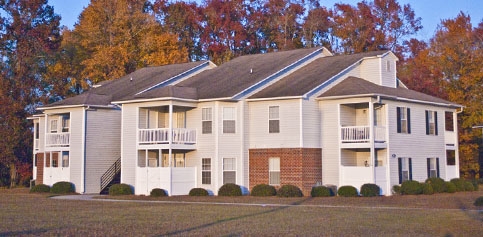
[25, 214]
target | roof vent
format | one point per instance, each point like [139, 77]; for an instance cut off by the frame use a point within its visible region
[131, 79]
[251, 70]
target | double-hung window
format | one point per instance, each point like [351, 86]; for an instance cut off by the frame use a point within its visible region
[431, 122]
[65, 159]
[206, 120]
[274, 171]
[206, 171]
[53, 126]
[433, 167]
[273, 119]
[65, 123]
[229, 122]
[229, 170]
[405, 169]
[403, 120]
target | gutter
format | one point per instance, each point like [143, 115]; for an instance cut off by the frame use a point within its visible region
[75, 106]
[152, 99]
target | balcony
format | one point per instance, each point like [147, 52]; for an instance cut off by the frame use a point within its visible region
[362, 134]
[57, 139]
[181, 136]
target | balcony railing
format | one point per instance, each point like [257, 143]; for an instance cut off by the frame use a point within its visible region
[360, 134]
[161, 136]
[57, 139]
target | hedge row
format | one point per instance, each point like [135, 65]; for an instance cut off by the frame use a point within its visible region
[58, 188]
[435, 185]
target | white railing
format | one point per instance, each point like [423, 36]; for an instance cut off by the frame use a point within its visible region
[57, 139]
[36, 144]
[362, 134]
[161, 136]
[355, 134]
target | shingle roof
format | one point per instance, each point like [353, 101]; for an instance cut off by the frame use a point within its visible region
[124, 87]
[353, 86]
[312, 75]
[240, 73]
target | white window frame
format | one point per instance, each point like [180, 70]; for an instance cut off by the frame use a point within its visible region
[404, 119]
[274, 171]
[272, 116]
[229, 167]
[153, 162]
[205, 170]
[207, 118]
[433, 168]
[65, 159]
[66, 123]
[229, 116]
[53, 125]
[431, 122]
[405, 171]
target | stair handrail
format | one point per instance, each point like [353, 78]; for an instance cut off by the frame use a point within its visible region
[109, 175]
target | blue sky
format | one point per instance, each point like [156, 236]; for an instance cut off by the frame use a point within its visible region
[431, 11]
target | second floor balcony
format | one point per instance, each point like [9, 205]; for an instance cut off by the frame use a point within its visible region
[182, 136]
[57, 139]
[362, 134]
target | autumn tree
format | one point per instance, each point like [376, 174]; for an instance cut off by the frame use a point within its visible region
[316, 26]
[29, 37]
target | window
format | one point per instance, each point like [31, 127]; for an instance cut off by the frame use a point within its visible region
[274, 171]
[450, 157]
[179, 160]
[206, 171]
[405, 169]
[273, 119]
[433, 167]
[37, 130]
[206, 120]
[53, 126]
[448, 121]
[229, 120]
[47, 159]
[229, 170]
[141, 158]
[403, 120]
[65, 123]
[55, 160]
[65, 159]
[431, 122]
[153, 158]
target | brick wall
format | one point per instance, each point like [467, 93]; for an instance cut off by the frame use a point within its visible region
[298, 166]
[40, 168]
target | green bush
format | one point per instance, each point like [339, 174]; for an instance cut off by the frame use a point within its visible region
[230, 190]
[459, 183]
[396, 189]
[40, 188]
[120, 189]
[411, 187]
[347, 191]
[198, 192]
[450, 187]
[62, 188]
[157, 192]
[289, 190]
[370, 190]
[479, 201]
[428, 189]
[469, 186]
[321, 191]
[437, 184]
[263, 190]
[475, 185]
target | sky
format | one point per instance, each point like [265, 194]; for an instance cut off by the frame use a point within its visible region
[430, 11]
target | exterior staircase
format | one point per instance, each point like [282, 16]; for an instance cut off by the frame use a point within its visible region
[111, 176]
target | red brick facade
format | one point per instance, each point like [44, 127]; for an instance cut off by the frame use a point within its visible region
[40, 168]
[298, 166]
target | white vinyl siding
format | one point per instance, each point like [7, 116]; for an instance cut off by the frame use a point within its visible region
[330, 142]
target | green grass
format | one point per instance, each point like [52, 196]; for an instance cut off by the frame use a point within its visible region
[35, 214]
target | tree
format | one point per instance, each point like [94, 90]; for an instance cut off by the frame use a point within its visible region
[316, 27]
[29, 37]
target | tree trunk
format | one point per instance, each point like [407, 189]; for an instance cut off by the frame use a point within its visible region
[13, 175]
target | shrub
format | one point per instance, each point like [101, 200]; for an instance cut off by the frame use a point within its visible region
[437, 184]
[289, 190]
[479, 201]
[450, 187]
[469, 186]
[411, 187]
[347, 191]
[263, 190]
[459, 183]
[428, 189]
[333, 189]
[321, 191]
[198, 192]
[230, 190]
[157, 192]
[475, 184]
[120, 189]
[62, 187]
[396, 189]
[370, 190]
[40, 188]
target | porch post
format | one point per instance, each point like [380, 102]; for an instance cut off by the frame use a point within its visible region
[170, 133]
[372, 138]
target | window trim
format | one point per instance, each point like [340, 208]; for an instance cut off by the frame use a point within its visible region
[204, 119]
[400, 112]
[274, 119]
[225, 119]
[431, 119]
[273, 170]
[65, 164]
[228, 170]
[65, 122]
[436, 168]
[206, 171]
[52, 122]
[408, 163]
[446, 115]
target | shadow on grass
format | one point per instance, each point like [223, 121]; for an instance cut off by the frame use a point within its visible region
[35, 232]
[472, 214]
[274, 209]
